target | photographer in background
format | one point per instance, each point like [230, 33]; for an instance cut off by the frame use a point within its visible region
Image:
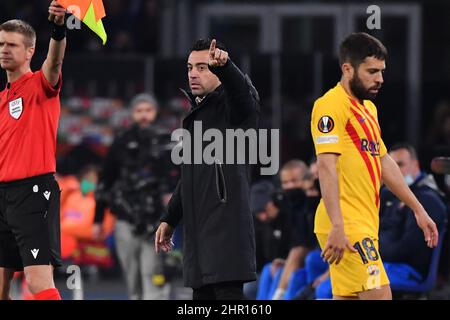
[132, 186]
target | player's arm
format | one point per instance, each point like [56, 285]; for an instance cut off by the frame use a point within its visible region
[53, 63]
[329, 185]
[393, 179]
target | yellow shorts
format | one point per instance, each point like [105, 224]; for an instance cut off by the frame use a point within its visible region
[357, 271]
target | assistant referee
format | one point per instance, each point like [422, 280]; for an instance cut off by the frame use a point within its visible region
[29, 193]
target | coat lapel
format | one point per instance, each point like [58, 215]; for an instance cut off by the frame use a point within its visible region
[194, 107]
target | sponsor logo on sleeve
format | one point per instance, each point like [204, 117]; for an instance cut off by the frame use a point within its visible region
[327, 139]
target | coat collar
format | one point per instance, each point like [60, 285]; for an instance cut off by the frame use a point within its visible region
[194, 106]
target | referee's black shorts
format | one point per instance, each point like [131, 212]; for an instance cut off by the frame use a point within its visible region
[30, 222]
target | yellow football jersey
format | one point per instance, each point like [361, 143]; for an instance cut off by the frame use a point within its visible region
[341, 125]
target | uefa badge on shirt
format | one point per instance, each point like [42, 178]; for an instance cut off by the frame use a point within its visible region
[16, 108]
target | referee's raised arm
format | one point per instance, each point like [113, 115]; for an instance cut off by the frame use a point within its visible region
[53, 63]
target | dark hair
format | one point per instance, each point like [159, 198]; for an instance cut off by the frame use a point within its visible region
[204, 44]
[358, 46]
[404, 145]
[22, 28]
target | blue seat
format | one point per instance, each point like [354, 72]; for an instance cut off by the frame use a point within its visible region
[428, 284]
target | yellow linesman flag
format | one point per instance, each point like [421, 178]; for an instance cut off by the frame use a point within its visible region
[90, 12]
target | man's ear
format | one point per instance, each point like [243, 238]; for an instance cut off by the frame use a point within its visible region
[347, 70]
[30, 53]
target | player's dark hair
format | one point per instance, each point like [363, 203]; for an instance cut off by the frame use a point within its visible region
[22, 28]
[204, 44]
[358, 46]
[404, 145]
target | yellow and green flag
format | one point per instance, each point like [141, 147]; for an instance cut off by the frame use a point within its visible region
[90, 12]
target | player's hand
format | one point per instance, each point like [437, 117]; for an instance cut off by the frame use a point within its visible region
[217, 57]
[163, 238]
[57, 12]
[336, 244]
[428, 227]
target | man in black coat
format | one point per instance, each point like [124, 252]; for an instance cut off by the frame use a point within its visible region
[213, 199]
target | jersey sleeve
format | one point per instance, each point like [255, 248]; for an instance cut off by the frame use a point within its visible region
[327, 127]
[49, 90]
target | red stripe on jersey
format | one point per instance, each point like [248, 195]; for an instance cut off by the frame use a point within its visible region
[368, 114]
[368, 132]
[369, 135]
[357, 141]
[373, 119]
[374, 137]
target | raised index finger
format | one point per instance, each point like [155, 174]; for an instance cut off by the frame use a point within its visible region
[212, 48]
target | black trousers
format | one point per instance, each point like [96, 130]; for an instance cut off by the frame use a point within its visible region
[220, 291]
